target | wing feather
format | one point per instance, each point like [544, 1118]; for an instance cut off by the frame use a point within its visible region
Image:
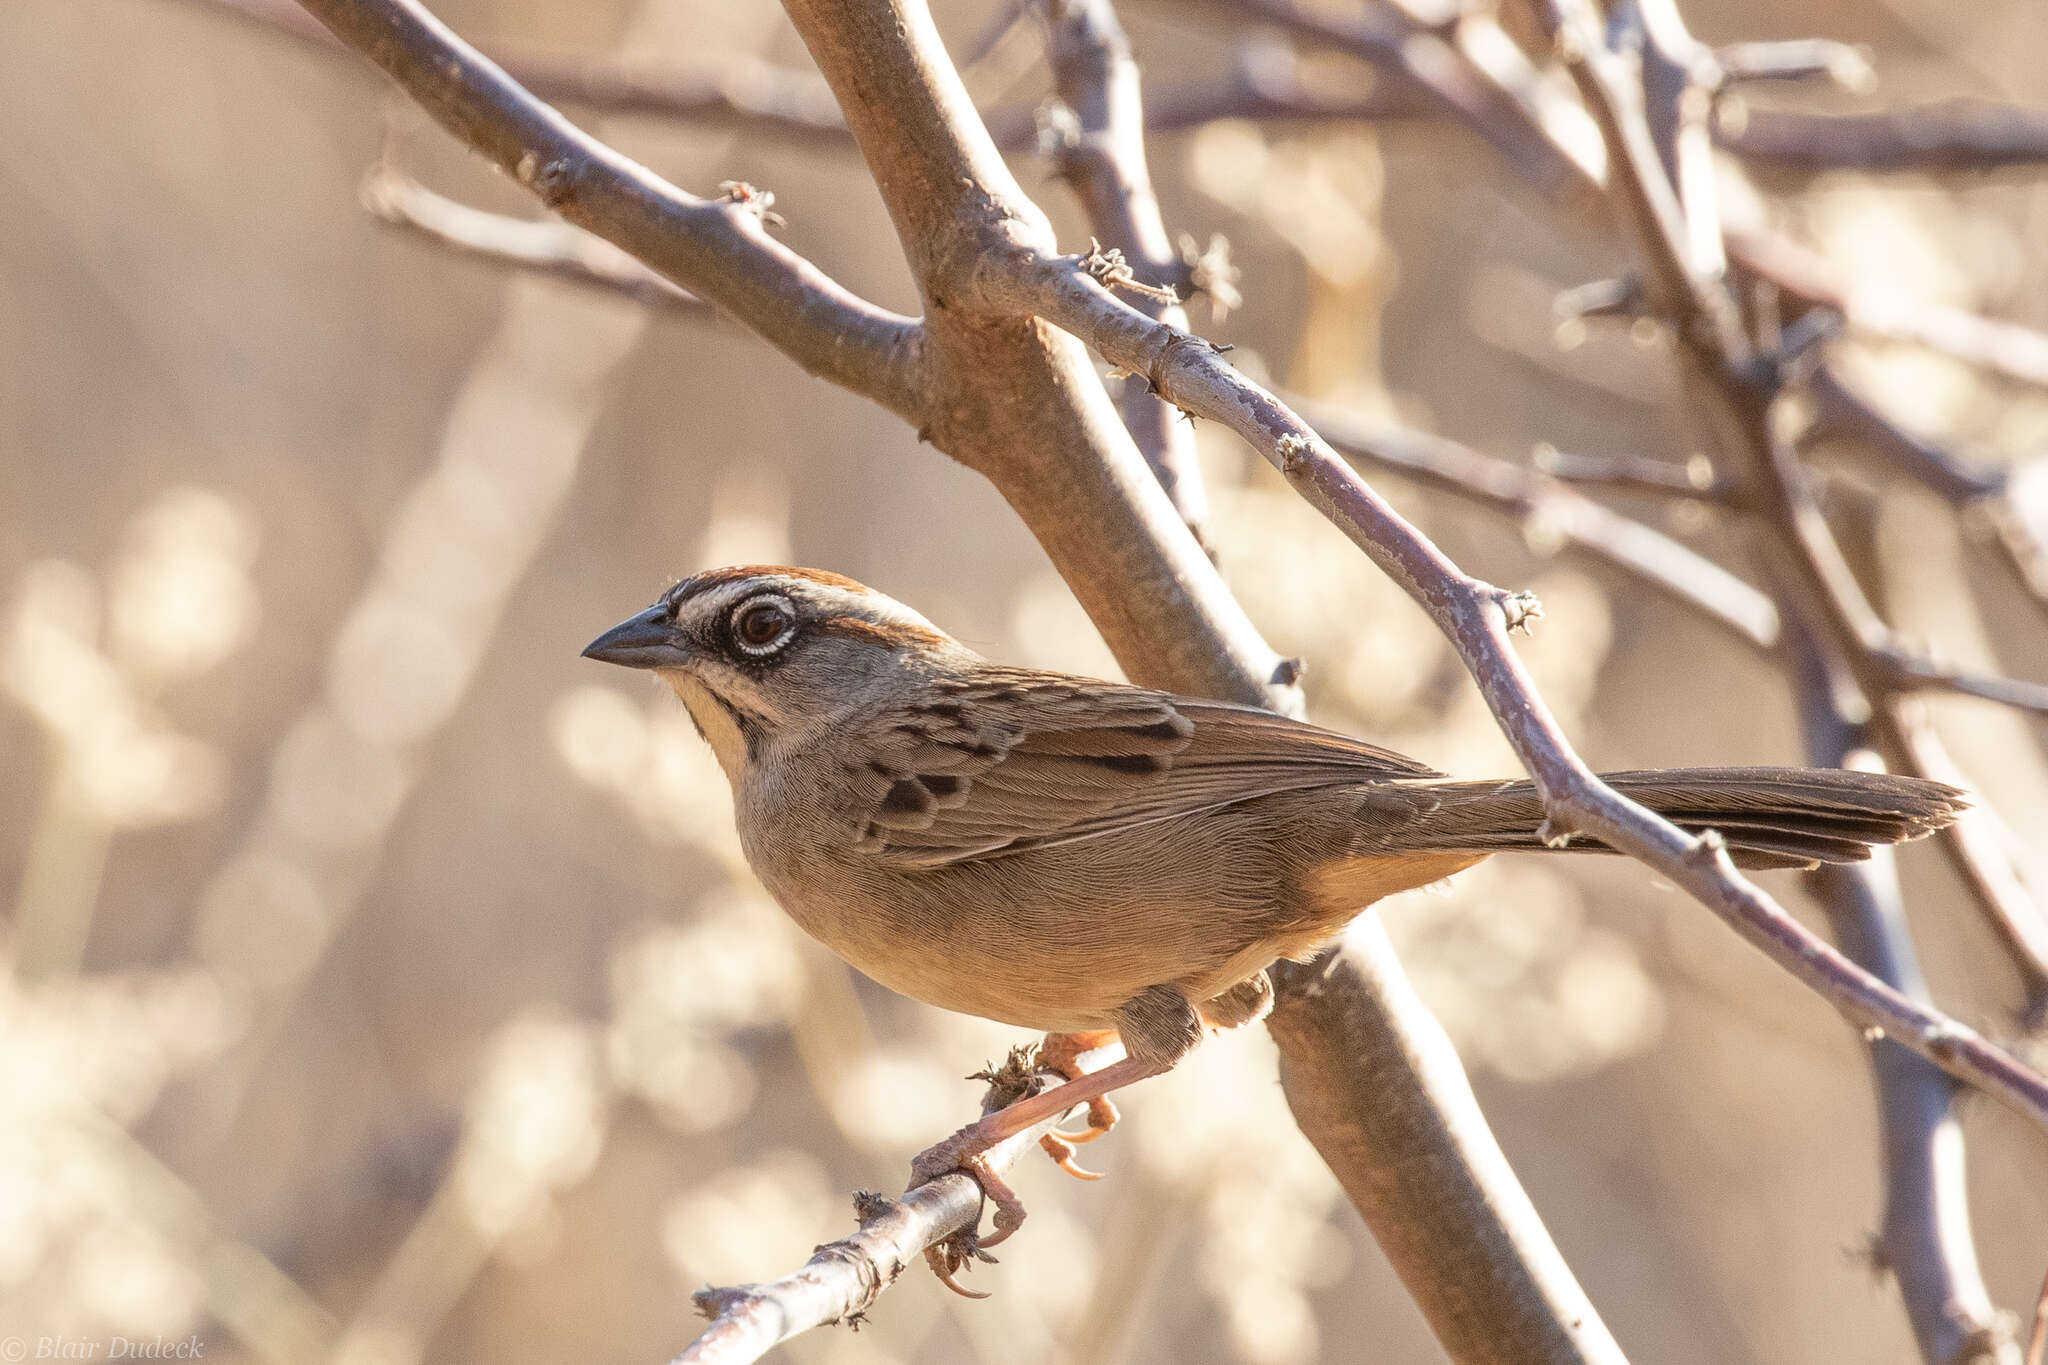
[1015, 760]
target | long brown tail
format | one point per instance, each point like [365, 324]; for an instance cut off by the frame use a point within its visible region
[1771, 817]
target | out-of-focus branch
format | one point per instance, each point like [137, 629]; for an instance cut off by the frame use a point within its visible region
[1469, 74]
[1550, 512]
[1980, 846]
[1924, 1238]
[2011, 507]
[1806, 279]
[1735, 387]
[1954, 136]
[1097, 139]
[545, 246]
[741, 92]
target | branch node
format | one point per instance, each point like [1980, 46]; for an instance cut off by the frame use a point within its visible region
[712, 1302]
[759, 201]
[1292, 450]
[1057, 129]
[1520, 609]
[1709, 850]
[1212, 274]
[1106, 264]
[552, 182]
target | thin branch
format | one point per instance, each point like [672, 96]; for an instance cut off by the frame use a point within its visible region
[717, 249]
[1952, 136]
[1913, 672]
[1980, 847]
[741, 92]
[1551, 512]
[1470, 75]
[2009, 507]
[1099, 147]
[843, 1279]
[1925, 1238]
[1798, 59]
[545, 246]
[1806, 279]
[1693, 481]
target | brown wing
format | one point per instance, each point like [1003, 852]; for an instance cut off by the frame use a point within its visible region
[1016, 760]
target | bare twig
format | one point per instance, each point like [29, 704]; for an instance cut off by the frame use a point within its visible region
[1982, 492]
[1925, 1236]
[1693, 481]
[1550, 512]
[1954, 136]
[741, 92]
[717, 249]
[1806, 279]
[843, 1279]
[546, 246]
[1099, 146]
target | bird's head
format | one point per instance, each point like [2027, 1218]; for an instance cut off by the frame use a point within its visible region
[761, 651]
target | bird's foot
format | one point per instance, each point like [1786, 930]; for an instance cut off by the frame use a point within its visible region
[1059, 1146]
[966, 1151]
[1062, 1054]
[950, 1255]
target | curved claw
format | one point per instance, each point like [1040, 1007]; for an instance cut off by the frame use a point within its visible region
[950, 1255]
[1062, 1154]
[945, 1275]
[1102, 1116]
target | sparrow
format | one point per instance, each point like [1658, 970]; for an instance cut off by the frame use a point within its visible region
[1101, 862]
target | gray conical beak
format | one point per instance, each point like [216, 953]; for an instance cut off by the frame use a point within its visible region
[644, 641]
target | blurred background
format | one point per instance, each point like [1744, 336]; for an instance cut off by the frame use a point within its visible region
[381, 980]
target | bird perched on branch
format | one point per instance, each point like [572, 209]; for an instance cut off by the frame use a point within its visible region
[1081, 857]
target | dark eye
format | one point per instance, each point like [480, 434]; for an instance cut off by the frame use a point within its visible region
[762, 625]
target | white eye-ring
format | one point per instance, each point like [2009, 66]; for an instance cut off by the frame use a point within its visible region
[762, 625]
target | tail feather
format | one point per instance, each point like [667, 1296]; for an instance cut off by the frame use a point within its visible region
[1771, 817]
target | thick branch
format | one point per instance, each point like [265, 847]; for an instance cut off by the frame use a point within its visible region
[718, 250]
[1467, 1242]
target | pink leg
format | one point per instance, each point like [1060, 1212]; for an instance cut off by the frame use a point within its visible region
[966, 1149]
